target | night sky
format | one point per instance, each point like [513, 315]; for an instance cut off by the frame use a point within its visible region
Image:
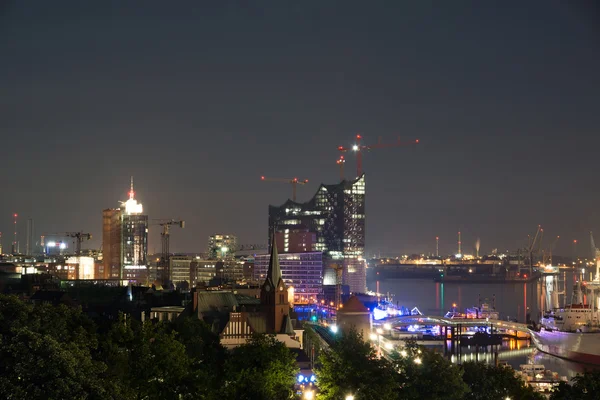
[198, 99]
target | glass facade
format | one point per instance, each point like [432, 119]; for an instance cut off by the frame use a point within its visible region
[300, 271]
[337, 215]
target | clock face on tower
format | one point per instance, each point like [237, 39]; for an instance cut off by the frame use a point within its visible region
[267, 287]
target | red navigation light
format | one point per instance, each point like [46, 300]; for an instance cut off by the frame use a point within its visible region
[262, 177]
[340, 147]
[358, 136]
[306, 181]
[417, 141]
[15, 215]
[524, 275]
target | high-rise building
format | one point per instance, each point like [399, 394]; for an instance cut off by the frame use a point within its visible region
[125, 241]
[298, 240]
[301, 272]
[336, 214]
[222, 246]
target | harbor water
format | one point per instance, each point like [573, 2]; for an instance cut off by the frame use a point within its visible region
[514, 301]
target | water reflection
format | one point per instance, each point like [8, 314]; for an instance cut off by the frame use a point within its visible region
[514, 301]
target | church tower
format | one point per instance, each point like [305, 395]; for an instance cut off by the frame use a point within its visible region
[274, 296]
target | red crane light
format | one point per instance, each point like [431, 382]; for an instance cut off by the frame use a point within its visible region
[358, 148]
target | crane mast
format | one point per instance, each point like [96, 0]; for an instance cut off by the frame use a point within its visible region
[165, 239]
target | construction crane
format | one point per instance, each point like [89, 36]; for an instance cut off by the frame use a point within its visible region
[293, 181]
[165, 239]
[79, 237]
[358, 149]
[341, 161]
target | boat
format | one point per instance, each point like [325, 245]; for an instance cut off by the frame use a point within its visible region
[573, 331]
[539, 378]
[484, 311]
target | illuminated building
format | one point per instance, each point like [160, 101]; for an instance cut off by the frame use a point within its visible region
[336, 214]
[300, 271]
[297, 240]
[221, 246]
[125, 241]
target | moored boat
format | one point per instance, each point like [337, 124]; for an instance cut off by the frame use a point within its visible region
[572, 332]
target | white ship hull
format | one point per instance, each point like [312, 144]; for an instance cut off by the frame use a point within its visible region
[579, 347]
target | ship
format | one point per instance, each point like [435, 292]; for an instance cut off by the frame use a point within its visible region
[572, 332]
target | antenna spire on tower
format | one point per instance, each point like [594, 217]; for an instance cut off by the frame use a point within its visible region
[131, 192]
[459, 244]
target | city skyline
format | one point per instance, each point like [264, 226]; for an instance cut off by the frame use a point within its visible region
[198, 102]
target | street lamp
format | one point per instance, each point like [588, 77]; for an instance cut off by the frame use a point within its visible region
[349, 397]
[309, 395]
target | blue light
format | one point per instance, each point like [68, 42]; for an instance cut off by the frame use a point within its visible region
[300, 378]
[313, 318]
[313, 378]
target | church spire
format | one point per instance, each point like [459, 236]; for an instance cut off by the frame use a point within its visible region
[274, 271]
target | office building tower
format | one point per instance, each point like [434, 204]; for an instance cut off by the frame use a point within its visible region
[301, 272]
[336, 214]
[125, 241]
[222, 246]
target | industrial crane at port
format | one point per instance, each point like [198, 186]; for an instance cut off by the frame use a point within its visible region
[293, 181]
[547, 254]
[358, 148]
[165, 239]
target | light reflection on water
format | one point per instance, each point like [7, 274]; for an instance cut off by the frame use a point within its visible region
[512, 300]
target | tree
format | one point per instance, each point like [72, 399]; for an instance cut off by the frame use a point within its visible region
[206, 356]
[489, 382]
[424, 374]
[584, 386]
[263, 368]
[147, 359]
[351, 366]
[46, 353]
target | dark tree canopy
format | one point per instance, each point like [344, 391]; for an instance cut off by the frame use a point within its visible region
[489, 382]
[263, 368]
[351, 366]
[584, 386]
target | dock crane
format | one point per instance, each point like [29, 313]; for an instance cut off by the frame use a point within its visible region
[293, 181]
[165, 239]
[531, 248]
[596, 255]
[358, 148]
[547, 254]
